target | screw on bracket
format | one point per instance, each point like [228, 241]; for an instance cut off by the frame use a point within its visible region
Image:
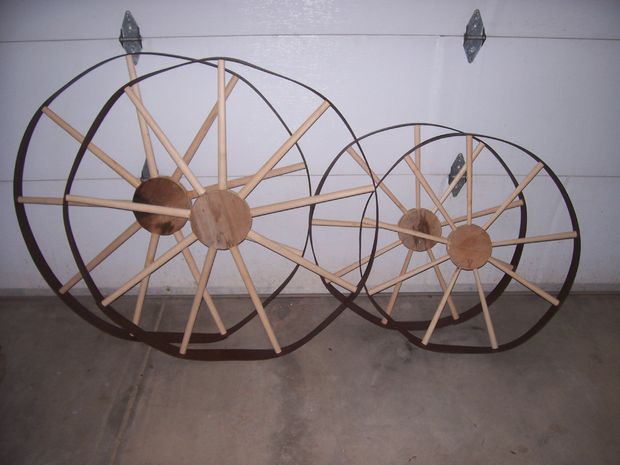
[459, 162]
[130, 37]
[474, 36]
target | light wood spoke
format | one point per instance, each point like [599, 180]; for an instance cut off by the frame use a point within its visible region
[485, 212]
[417, 139]
[459, 175]
[245, 275]
[440, 307]
[96, 151]
[366, 259]
[193, 268]
[485, 310]
[101, 256]
[443, 285]
[198, 297]
[40, 200]
[532, 287]
[144, 130]
[283, 150]
[341, 223]
[409, 274]
[165, 142]
[204, 129]
[81, 201]
[222, 175]
[165, 258]
[390, 306]
[522, 185]
[360, 161]
[311, 200]
[469, 142]
[534, 239]
[144, 284]
[427, 187]
[411, 232]
[307, 264]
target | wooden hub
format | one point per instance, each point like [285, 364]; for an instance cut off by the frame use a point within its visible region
[220, 219]
[469, 247]
[423, 221]
[164, 192]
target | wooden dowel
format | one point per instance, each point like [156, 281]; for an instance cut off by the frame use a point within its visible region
[311, 200]
[459, 175]
[339, 223]
[81, 201]
[485, 310]
[144, 284]
[163, 139]
[533, 239]
[283, 150]
[40, 200]
[532, 287]
[440, 307]
[522, 185]
[144, 130]
[469, 142]
[443, 285]
[198, 296]
[366, 259]
[193, 268]
[417, 138]
[410, 274]
[274, 247]
[506, 264]
[429, 190]
[222, 175]
[101, 256]
[204, 129]
[163, 259]
[411, 232]
[245, 275]
[360, 161]
[394, 295]
[96, 151]
[485, 212]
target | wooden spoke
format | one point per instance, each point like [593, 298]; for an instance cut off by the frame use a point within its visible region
[312, 200]
[245, 275]
[144, 130]
[200, 292]
[221, 125]
[193, 268]
[419, 176]
[485, 310]
[165, 258]
[378, 253]
[163, 139]
[341, 223]
[360, 161]
[459, 175]
[534, 239]
[307, 264]
[396, 290]
[144, 284]
[204, 129]
[101, 256]
[470, 176]
[411, 232]
[532, 174]
[40, 200]
[417, 138]
[283, 150]
[96, 151]
[532, 287]
[485, 212]
[443, 285]
[409, 274]
[440, 307]
[81, 201]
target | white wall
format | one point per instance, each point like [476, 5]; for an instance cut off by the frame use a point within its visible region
[547, 78]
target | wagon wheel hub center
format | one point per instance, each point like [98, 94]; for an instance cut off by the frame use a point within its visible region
[164, 192]
[420, 220]
[220, 219]
[469, 247]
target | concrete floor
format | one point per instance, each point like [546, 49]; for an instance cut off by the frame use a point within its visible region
[356, 394]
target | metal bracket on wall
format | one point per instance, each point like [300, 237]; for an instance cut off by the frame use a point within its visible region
[130, 37]
[459, 162]
[474, 36]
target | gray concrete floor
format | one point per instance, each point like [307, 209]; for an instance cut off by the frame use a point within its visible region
[356, 394]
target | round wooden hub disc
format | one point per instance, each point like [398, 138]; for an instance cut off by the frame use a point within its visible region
[469, 247]
[164, 192]
[421, 220]
[220, 219]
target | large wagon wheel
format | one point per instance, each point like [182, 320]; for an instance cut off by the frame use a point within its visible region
[220, 217]
[468, 242]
